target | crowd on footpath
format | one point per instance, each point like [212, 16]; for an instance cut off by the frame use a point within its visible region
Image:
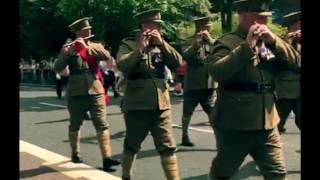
[42, 72]
[37, 71]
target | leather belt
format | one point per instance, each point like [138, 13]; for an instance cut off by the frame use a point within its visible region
[82, 71]
[249, 86]
[144, 77]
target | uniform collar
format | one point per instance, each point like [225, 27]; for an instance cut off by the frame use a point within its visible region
[240, 32]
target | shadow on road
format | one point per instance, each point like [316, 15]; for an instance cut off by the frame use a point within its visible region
[153, 152]
[43, 169]
[201, 124]
[141, 154]
[32, 104]
[291, 133]
[35, 88]
[251, 170]
[246, 171]
[180, 150]
[55, 121]
[93, 139]
[117, 101]
[35, 172]
[114, 114]
[294, 172]
[200, 177]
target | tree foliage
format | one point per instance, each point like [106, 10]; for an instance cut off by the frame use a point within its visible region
[113, 20]
[43, 23]
[41, 31]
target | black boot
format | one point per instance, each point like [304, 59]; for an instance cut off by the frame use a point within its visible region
[123, 178]
[74, 138]
[87, 116]
[76, 159]
[116, 94]
[186, 141]
[281, 129]
[108, 162]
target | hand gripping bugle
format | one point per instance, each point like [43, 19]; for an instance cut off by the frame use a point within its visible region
[294, 34]
[69, 42]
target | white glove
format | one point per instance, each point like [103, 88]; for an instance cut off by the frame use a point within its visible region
[58, 76]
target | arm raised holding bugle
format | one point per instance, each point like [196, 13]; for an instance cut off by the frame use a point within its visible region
[69, 49]
[293, 37]
[268, 46]
[69, 42]
[61, 61]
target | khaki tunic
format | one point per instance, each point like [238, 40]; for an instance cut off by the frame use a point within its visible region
[232, 63]
[197, 75]
[82, 83]
[146, 101]
[246, 119]
[84, 89]
[288, 83]
[146, 88]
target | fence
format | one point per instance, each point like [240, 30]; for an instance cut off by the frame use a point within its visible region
[37, 76]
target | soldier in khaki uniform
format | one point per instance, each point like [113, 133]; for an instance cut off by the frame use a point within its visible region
[146, 102]
[198, 84]
[288, 83]
[85, 91]
[244, 63]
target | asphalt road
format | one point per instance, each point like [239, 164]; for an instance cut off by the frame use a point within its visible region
[44, 122]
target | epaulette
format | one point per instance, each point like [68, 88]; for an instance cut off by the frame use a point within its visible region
[97, 45]
[130, 38]
[231, 40]
[188, 40]
[127, 42]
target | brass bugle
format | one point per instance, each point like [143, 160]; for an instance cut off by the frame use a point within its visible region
[256, 33]
[146, 33]
[295, 34]
[88, 37]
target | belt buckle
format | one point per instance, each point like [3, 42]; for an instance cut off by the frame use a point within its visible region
[260, 88]
[263, 87]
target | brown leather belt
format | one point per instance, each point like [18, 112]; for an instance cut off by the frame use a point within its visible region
[249, 86]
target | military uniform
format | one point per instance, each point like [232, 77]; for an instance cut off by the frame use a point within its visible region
[146, 102]
[288, 83]
[198, 84]
[246, 119]
[85, 93]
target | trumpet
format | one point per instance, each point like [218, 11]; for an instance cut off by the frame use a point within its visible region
[264, 52]
[69, 42]
[255, 33]
[146, 33]
[294, 34]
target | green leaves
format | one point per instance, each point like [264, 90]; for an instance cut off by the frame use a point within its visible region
[113, 19]
[277, 29]
[43, 23]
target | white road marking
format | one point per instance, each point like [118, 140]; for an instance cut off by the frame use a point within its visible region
[64, 165]
[35, 108]
[54, 105]
[173, 125]
[195, 129]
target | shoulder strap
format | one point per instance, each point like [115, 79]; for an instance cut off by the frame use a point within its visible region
[231, 40]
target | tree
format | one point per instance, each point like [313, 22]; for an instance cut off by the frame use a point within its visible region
[224, 7]
[113, 19]
[43, 25]
[41, 31]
